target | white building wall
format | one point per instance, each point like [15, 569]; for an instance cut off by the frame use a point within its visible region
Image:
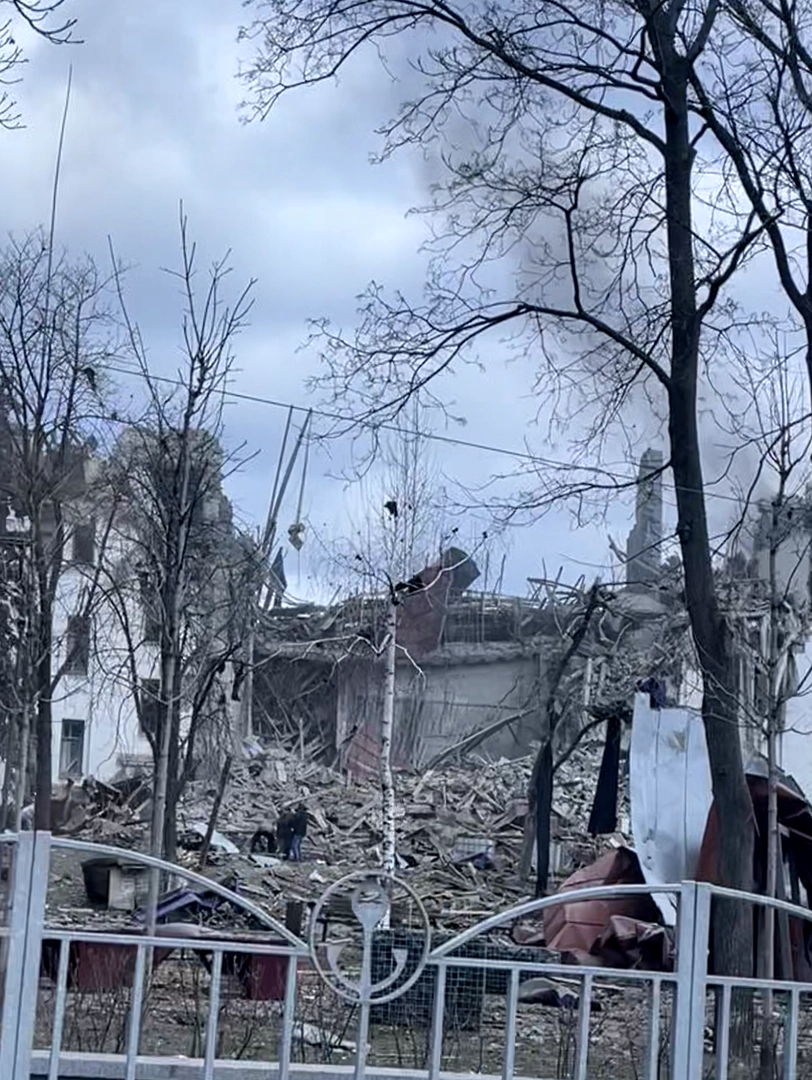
[103, 699]
[795, 749]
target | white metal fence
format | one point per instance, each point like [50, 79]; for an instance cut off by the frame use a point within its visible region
[615, 1023]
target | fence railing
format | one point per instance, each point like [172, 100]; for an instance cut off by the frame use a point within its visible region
[376, 995]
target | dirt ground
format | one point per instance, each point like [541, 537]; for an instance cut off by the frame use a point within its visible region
[176, 1014]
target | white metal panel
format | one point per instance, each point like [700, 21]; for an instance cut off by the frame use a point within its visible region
[670, 794]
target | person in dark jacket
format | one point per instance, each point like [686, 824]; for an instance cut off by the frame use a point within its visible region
[291, 830]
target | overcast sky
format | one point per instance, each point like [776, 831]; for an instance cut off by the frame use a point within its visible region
[154, 119]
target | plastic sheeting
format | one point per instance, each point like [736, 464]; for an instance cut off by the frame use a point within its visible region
[670, 794]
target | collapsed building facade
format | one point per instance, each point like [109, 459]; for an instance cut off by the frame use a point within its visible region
[473, 668]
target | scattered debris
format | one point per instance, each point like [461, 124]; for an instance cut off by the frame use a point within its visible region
[459, 828]
[217, 842]
[112, 882]
[621, 932]
[218, 798]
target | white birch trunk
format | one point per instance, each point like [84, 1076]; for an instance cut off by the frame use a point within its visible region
[387, 726]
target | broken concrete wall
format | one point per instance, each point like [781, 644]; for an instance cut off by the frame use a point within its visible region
[460, 689]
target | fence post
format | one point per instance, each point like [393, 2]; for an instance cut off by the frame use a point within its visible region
[681, 1026]
[30, 885]
[20, 873]
[693, 936]
[699, 979]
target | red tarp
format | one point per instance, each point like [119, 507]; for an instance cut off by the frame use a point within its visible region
[619, 932]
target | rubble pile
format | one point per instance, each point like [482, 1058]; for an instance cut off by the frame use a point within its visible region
[460, 829]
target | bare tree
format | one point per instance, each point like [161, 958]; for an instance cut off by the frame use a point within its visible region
[578, 171]
[755, 99]
[402, 525]
[540, 791]
[43, 17]
[178, 527]
[406, 527]
[595, 654]
[56, 338]
[769, 609]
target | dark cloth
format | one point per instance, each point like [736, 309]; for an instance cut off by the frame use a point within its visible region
[655, 690]
[603, 818]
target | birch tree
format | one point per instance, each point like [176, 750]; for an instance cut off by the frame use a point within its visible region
[569, 220]
[399, 516]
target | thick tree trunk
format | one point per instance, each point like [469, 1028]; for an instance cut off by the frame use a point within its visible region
[173, 792]
[164, 750]
[170, 838]
[163, 745]
[174, 785]
[733, 927]
[12, 766]
[22, 786]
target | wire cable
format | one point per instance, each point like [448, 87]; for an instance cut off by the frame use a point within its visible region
[450, 440]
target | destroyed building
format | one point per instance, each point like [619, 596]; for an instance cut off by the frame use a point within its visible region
[472, 671]
[106, 653]
[473, 674]
[472, 667]
[644, 546]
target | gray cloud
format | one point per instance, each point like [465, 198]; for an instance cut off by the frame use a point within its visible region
[154, 119]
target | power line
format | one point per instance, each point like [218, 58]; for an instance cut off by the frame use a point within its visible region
[450, 440]
[327, 415]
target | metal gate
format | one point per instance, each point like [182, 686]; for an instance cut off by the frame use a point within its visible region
[694, 995]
